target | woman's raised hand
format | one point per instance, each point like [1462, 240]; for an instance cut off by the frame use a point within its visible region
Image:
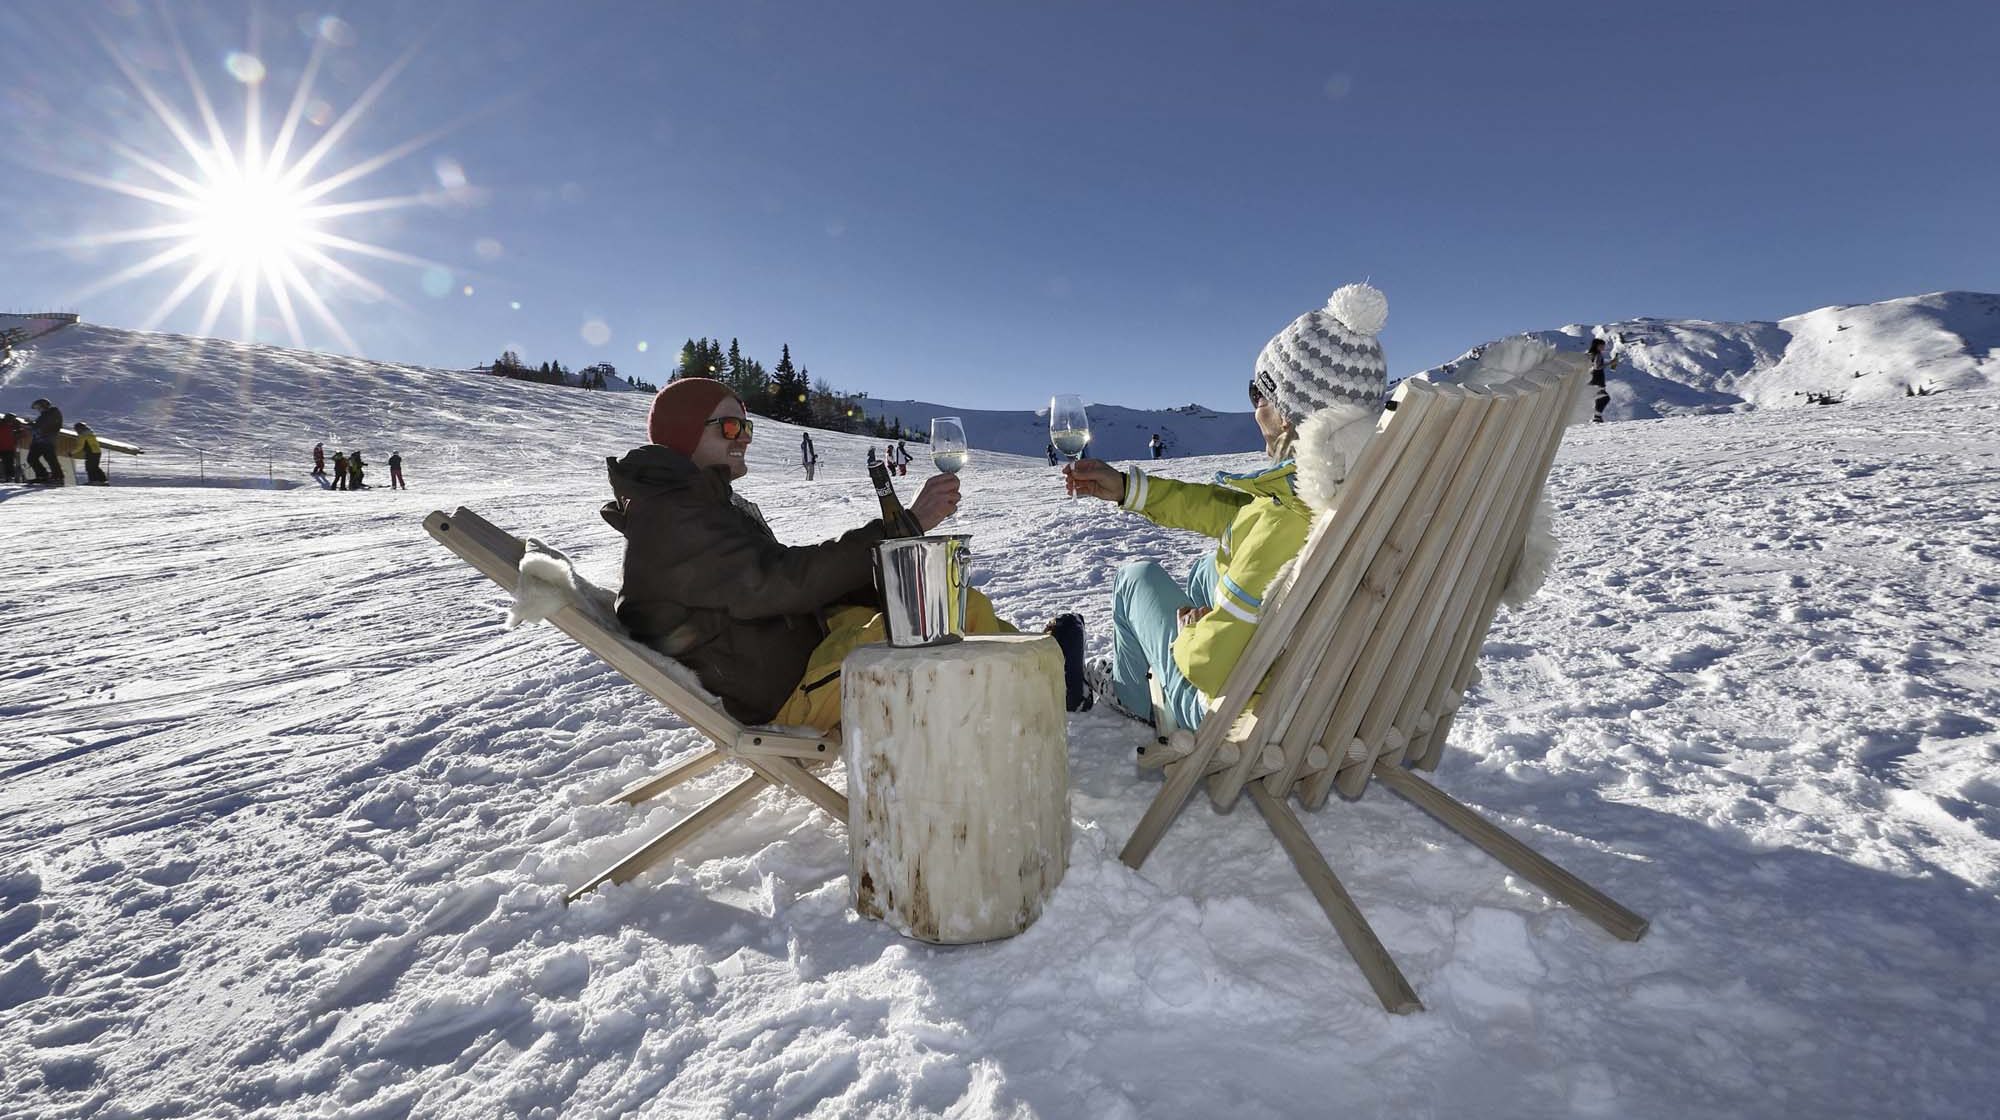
[1095, 478]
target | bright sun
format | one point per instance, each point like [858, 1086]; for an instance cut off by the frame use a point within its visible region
[250, 217]
[250, 223]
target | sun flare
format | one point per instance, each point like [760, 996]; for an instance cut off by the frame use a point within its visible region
[250, 223]
[249, 215]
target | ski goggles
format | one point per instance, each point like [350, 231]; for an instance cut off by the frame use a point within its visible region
[732, 427]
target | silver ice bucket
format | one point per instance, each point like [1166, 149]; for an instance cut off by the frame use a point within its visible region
[923, 588]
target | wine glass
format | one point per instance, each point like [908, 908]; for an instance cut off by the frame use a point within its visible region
[948, 449]
[1069, 426]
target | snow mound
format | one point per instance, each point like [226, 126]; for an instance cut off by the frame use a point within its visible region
[1878, 351]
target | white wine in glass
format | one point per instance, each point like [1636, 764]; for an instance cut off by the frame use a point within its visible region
[1069, 426]
[948, 449]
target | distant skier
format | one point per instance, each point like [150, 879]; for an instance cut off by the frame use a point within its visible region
[319, 463]
[340, 470]
[42, 444]
[902, 458]
[1052, 453]
[10, 448]
[396, 471]
[1158, 445]
[354, 471]
[808, 458]
[93, 455]
[1598, 353]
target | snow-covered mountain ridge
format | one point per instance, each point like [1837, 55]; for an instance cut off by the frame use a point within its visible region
[1876, 351]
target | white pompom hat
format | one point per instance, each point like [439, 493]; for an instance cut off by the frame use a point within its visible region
[1329, 358]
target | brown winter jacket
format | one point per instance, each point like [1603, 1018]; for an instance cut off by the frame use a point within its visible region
[706, 582]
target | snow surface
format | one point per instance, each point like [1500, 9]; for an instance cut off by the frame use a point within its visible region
[286, 816]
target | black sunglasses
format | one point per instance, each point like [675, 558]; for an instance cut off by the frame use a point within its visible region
[732, 426]
[1256, 394]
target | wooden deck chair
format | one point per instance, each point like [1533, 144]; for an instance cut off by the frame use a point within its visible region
[1357, 670]
[774, 756]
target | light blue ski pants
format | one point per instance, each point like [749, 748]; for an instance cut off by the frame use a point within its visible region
[1144, 622]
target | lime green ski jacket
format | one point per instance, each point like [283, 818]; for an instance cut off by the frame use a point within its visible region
[1261, 524]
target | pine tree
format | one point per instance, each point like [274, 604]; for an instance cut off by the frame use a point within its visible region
[789, 390]
[758, 396]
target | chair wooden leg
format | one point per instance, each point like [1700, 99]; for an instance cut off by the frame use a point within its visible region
[648, 788]
[1181, 779]
[666, 843]
[1525, 861]
[1383, 975]
[805, 783]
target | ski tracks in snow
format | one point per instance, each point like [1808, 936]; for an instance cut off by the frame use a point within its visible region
[288, 818]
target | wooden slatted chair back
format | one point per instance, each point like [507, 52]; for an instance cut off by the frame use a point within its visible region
[1364, 658]
[1359, 666]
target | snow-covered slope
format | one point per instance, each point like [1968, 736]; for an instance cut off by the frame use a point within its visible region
[174, 395]
[286, 815]
[1878, 351]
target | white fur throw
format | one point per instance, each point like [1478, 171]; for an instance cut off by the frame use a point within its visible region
[548, 583]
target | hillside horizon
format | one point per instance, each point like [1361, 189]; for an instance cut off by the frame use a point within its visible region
[162, 382]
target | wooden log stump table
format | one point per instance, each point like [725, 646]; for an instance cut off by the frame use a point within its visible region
[957, 784]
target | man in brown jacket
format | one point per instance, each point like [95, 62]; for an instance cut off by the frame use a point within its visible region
[763, 624]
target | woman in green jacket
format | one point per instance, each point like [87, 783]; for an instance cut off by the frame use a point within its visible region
[1317, 391]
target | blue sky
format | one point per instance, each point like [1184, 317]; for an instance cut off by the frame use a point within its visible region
[983, 204]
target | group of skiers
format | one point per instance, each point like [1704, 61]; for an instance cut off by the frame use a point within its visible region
[40, 440]
[895, 456]
[349, 470]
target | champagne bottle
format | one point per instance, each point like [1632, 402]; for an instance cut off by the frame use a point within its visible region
[896, 521]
